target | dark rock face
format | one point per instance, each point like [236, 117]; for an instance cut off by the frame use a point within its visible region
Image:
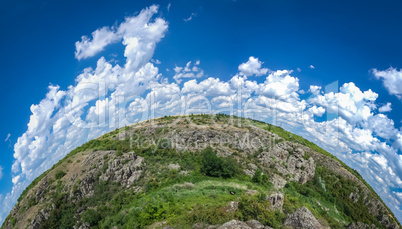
[302, 218]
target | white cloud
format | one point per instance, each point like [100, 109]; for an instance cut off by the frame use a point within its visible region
[385, 108]
[315, 90]
[392, 80]
[192, 16]
[317, 111]
[156, 61]
[8, 137]
[100, 39]
[298, 69]
[311, 67]
[252, 67]
[168, 7]
[1, 174]
[189, 71]
[280, 85]
[131, 33]
[350, 103]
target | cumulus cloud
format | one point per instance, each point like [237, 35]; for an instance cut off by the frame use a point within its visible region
[391, 79]
[1, 172]
[129, 31]
[385, 108]
[109, 96]
[189, 71]
[252, 67]
[350, 103]
[89, 47]
[311, 67]
[280, 85]
[317, 111]
[314, 89]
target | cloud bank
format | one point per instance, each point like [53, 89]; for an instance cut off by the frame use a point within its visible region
[111, 96]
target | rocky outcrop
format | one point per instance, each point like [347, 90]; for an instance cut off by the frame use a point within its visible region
[125, 170]
[204, 226]
[290, 160]
[359, 225]
[251, 169]
[257, 225]
[174, 167]
[302, 218]
[354, 196]
[278, 181]
[36, 222]
[276, 201]
[235, 224]
[232, 206]
[41, 191]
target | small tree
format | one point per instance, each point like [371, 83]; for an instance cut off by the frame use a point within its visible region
[211, 165]
[257, 178]
[215, 166]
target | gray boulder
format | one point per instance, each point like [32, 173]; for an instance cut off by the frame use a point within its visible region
[235, 224]
[302, 218]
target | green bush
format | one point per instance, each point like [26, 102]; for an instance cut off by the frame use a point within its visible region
[59, 174]
[13, 221]
[31, 202]
[265, 178]
[91, 216]
[257, 207]
[257, 178]
[118, 153]
[215, 166]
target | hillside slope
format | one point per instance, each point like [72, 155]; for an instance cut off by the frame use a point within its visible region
[200, 171]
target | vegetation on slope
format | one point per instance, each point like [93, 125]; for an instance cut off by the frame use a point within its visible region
[201, 193]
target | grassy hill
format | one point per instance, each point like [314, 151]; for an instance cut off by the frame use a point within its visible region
[198, 170]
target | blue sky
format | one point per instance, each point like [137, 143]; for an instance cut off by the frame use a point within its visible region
[344, 42]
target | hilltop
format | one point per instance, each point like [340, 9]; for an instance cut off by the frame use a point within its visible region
[200, 171]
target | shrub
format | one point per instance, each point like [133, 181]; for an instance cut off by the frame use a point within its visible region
[91, 216]
[31, 202]
[59, 174]
[215, 166]
[265, 178]
[255, 207]
[13, 221]
[257, 176]
[119, 153]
